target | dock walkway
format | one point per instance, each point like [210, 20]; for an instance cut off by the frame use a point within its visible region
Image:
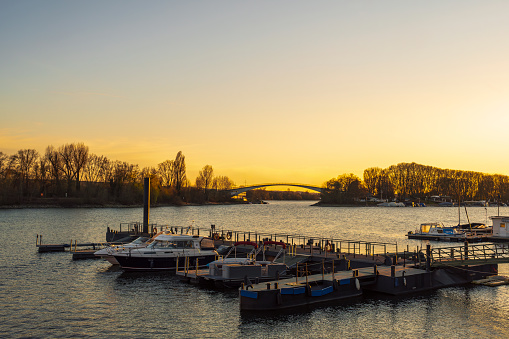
[469, 254]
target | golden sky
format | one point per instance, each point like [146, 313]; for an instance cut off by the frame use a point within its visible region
[263, 91]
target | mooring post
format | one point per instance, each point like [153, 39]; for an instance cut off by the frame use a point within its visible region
[428, 257]
[146, 203]
[466, 250]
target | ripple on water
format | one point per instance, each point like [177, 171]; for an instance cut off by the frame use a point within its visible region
[49, 295]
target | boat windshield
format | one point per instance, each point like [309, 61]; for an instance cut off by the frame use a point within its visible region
[425, 228]
[171, 244]
[139, 241]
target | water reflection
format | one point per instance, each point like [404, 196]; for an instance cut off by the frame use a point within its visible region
[49, 295]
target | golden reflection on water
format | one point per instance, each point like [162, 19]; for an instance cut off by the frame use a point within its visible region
[49, 295]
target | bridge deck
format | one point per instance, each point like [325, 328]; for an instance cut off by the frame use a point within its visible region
[239, 190]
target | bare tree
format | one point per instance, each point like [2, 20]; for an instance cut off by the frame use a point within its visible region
[42, 174]
[74, 157]
[4, 163]
[65, 153]
[166, 172]
[55, 165]
[80, 158]
[24, 163]
[95, 169]
[221, 183]
[204, 179]
[179, 172]
[124, 173]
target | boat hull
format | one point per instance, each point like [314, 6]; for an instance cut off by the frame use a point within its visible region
[160, 262]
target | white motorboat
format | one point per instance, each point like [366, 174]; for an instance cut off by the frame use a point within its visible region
[167, 251]
[107, 252]
[391, 204]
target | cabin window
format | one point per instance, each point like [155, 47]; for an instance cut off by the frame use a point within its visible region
[440, 231]
[185, 244]
[162, 244]
[502, 225]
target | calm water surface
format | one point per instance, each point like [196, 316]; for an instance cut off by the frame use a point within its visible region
[51, 296]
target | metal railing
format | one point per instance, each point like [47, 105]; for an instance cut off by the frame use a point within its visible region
[307, 243]
[470, 253]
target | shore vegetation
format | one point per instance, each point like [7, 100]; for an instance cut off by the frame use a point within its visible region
[70, 175]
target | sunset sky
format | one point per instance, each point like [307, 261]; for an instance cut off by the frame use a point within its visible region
[263, 91]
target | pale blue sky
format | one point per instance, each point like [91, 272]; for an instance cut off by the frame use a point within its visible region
[264, 91]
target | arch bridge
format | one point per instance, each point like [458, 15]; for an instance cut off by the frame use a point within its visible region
[237, 191]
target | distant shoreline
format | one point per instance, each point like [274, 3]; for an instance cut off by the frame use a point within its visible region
[65, 203]
[35, 206]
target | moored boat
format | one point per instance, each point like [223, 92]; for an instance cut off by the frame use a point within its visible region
[436, 231]
[232, 272]
[107, 252]
[391, 204]
[167, 251]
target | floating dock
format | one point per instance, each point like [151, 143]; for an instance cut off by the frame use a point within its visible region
[86, 250]
[343, 285]
[329, 269]
[296, 292]
[446, 238]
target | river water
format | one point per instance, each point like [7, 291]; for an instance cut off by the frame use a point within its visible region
[50, 296]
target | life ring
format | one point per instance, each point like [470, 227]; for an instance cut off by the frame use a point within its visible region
[216, 236]
[228, 235]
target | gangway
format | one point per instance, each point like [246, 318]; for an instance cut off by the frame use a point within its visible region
[469, 254]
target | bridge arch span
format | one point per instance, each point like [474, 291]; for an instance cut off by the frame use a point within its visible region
[237, 191]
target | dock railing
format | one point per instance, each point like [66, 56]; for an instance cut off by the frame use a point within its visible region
[301, 244]
[469, 254]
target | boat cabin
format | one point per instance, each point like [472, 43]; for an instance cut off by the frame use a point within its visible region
[500, 225]
[172, 241]
[437, 229]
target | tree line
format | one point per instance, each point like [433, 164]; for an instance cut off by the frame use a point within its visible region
[71, 174]
[416, 182]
